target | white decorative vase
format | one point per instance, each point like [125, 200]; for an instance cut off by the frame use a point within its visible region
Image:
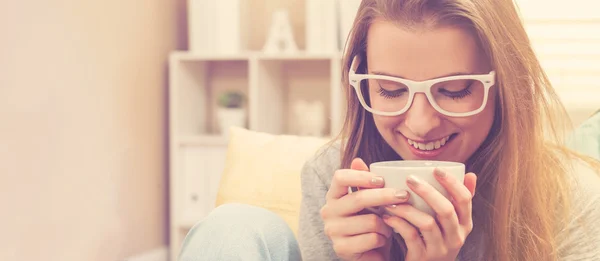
[347, 13]
[228, 33]
[201, 25]
[280, 37]
[321, 26]
[309, 118]
[214, 26]
[230, 117]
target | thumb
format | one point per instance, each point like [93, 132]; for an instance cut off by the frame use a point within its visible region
[471, 182]
[359, 164]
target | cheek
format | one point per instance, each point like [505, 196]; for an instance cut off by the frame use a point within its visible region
[478, 127]
[386, 124]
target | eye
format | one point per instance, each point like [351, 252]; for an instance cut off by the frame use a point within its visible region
[457, 89]
[390, 90]
[461, 94]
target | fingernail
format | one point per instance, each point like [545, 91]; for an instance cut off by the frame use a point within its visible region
[439, 173]
[386, 216]
[401, 194]
[413, 181]
[377, 181]
[392, 206]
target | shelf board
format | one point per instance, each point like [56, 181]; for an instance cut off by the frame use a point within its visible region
[202, 140]
[189, 56]
[302, 55]
[245, 56]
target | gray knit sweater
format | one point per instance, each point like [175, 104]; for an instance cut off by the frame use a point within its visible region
[582, 241]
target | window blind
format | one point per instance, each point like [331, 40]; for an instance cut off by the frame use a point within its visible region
[566, 38]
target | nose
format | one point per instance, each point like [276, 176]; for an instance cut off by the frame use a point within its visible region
[421, 117]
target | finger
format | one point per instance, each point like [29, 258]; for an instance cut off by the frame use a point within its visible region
[471, 182]
[356, 225]
[344, 178]
[356, 245]
[367, 198]
[426, 224]
[461, 195]
[444, 209]
[359, 164]
[414, 243]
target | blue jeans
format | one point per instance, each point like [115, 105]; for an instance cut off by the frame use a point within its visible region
[233, 232]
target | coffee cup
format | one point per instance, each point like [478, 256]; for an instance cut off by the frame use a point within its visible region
[395, 174]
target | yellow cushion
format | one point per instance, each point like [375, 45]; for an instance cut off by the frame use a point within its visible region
[264, 170]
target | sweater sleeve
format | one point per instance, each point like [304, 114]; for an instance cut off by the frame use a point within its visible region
[314, 244]
[580, 238]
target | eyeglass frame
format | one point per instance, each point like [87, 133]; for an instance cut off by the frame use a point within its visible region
[488, 80]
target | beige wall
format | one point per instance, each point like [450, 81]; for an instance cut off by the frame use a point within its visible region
[82, 127]
[83, 123]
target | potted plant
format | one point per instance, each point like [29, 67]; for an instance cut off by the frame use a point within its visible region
[231, 111]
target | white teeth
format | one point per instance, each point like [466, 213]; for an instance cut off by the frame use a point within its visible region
[433, 145]
[429, 146]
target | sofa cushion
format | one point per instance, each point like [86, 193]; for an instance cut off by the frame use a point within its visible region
[586, 137]
[264, 170]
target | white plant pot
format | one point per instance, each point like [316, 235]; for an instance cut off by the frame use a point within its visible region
[230, 117]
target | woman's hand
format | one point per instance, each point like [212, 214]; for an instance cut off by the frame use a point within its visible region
[358, 236]
[441, 237]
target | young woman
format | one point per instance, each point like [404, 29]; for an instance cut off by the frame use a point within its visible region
[456, 81]
[451, 80]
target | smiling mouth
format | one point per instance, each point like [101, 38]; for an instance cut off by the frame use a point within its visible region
[432, 145]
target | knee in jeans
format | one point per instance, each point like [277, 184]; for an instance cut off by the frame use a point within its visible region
[266, 236]
[250, 222]
[247, 216]
[226, 210]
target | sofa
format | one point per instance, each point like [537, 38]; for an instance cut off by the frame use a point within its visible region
[264, 169]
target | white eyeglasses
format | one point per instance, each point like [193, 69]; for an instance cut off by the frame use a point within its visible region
[454, 96]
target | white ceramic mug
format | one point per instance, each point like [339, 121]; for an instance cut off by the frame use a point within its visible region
[395, 174]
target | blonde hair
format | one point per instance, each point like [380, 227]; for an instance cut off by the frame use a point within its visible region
[520, 166]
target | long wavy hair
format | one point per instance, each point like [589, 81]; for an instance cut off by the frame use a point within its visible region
[520, 166]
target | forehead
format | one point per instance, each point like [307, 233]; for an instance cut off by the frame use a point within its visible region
[422, 54]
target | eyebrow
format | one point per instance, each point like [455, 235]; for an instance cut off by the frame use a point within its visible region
[442, 76]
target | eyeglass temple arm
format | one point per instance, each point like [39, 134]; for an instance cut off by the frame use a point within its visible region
[354, 64]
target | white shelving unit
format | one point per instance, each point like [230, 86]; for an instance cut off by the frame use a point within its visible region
[271, 83]
[226, 39]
